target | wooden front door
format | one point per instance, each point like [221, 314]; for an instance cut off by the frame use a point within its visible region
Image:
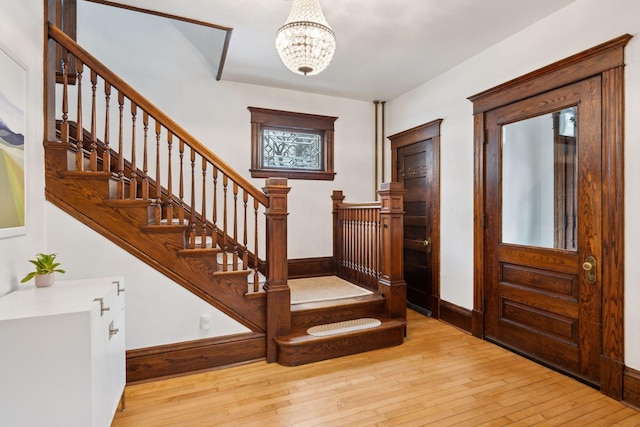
[415, 155]
[543, 230]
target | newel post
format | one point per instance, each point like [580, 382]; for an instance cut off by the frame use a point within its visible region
[337, 198]
[391, 282]
[50, 75]
[278, 294]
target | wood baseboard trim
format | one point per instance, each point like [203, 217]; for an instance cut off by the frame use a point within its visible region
[457, 316]
[631, 388]
[310, 267]
[192, 356]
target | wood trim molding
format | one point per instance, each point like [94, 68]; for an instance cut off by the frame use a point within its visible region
[606, 60]
[188, 357]
[455, 315]
[585, 64]
[631, 395]
[310, 267]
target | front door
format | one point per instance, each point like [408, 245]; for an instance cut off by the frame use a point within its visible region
[543, 231]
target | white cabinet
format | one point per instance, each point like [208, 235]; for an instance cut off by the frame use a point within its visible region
[62, 354]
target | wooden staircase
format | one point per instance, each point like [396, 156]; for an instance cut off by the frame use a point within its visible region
[89, 196]
[154, 190]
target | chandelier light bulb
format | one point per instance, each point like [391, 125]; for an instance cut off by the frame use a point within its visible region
[306, 42]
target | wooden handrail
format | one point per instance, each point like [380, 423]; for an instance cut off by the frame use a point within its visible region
[153, 111]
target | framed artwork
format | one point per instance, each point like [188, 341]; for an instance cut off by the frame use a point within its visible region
[13, 90]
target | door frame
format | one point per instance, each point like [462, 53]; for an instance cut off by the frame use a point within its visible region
[607, 61]
[430, 130]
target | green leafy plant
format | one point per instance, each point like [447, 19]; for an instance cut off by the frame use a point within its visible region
[45, 264]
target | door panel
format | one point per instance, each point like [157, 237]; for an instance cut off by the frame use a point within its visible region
[539, 232]
[414, 170]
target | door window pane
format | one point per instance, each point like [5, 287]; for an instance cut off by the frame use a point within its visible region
[539, 181]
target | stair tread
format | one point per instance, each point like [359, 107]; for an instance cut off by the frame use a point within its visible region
[198, 251]
[300, 336]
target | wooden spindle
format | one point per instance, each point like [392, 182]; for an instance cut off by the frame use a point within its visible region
[203, 214]
[245, 250]
[120, 146]
[93, 154]
[214, 231]
[133, 184]
[181, 184]
[192, 221]
[256, 276]
[225, 246]
[235, 226]
[158, 204]
[79, 128]
[106, 155]
[169, 208]
[64, 127]
[145, 166]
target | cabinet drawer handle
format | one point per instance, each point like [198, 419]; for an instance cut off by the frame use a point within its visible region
[112, 330]
[102, 307]
[120, 290]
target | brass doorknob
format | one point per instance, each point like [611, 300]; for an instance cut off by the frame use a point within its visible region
[426, 243]
[587, 266]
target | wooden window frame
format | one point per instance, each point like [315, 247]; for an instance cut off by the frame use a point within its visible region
[262, 118]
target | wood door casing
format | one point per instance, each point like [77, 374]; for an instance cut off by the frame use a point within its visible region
[607, 61]
[417, 152]
[538, 300]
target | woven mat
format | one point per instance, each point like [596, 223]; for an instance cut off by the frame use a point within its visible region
[342, 327]
[326, 288]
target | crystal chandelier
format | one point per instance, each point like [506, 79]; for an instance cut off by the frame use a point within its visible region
[306, 42]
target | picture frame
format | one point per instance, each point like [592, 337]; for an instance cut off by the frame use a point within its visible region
[13, 141]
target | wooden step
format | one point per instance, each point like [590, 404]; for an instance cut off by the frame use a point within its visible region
[299, 348]
[317, 313]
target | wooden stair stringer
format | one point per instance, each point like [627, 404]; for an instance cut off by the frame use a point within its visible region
[80, 198]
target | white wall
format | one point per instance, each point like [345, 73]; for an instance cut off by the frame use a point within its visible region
[21, 37]
[579, 26]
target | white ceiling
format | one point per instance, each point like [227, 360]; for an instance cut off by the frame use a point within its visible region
[384, 47]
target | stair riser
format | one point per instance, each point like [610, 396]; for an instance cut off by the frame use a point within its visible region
[325, 348]
[308, 318]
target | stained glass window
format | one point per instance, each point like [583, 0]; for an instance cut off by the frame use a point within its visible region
[291, 150]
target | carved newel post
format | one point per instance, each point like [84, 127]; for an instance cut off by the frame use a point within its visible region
[278, 293]
[391, 282]
[337, 198]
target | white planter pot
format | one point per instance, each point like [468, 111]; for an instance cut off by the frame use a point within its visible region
[44, 280]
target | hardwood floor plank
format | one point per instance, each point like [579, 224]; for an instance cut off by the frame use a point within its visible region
[440, 376]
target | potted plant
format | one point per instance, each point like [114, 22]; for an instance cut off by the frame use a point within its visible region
[45, 269]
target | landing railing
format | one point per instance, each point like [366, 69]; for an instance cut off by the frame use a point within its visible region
[358, 242]
[114, 129]
[368, 244]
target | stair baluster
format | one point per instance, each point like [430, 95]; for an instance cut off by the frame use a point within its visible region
[235, 226]
[133, 184]
[93, 155]
[214, 231]
[145, 166]
[120, 170]
[106, 155]
[192, 220]
[158, 203]
[169, 205]
[180, 202]
[79, 129]
[205, 229]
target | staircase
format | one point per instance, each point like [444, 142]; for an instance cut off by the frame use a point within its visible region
[150, 187]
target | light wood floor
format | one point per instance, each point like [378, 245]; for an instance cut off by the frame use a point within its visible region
[438, 377]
